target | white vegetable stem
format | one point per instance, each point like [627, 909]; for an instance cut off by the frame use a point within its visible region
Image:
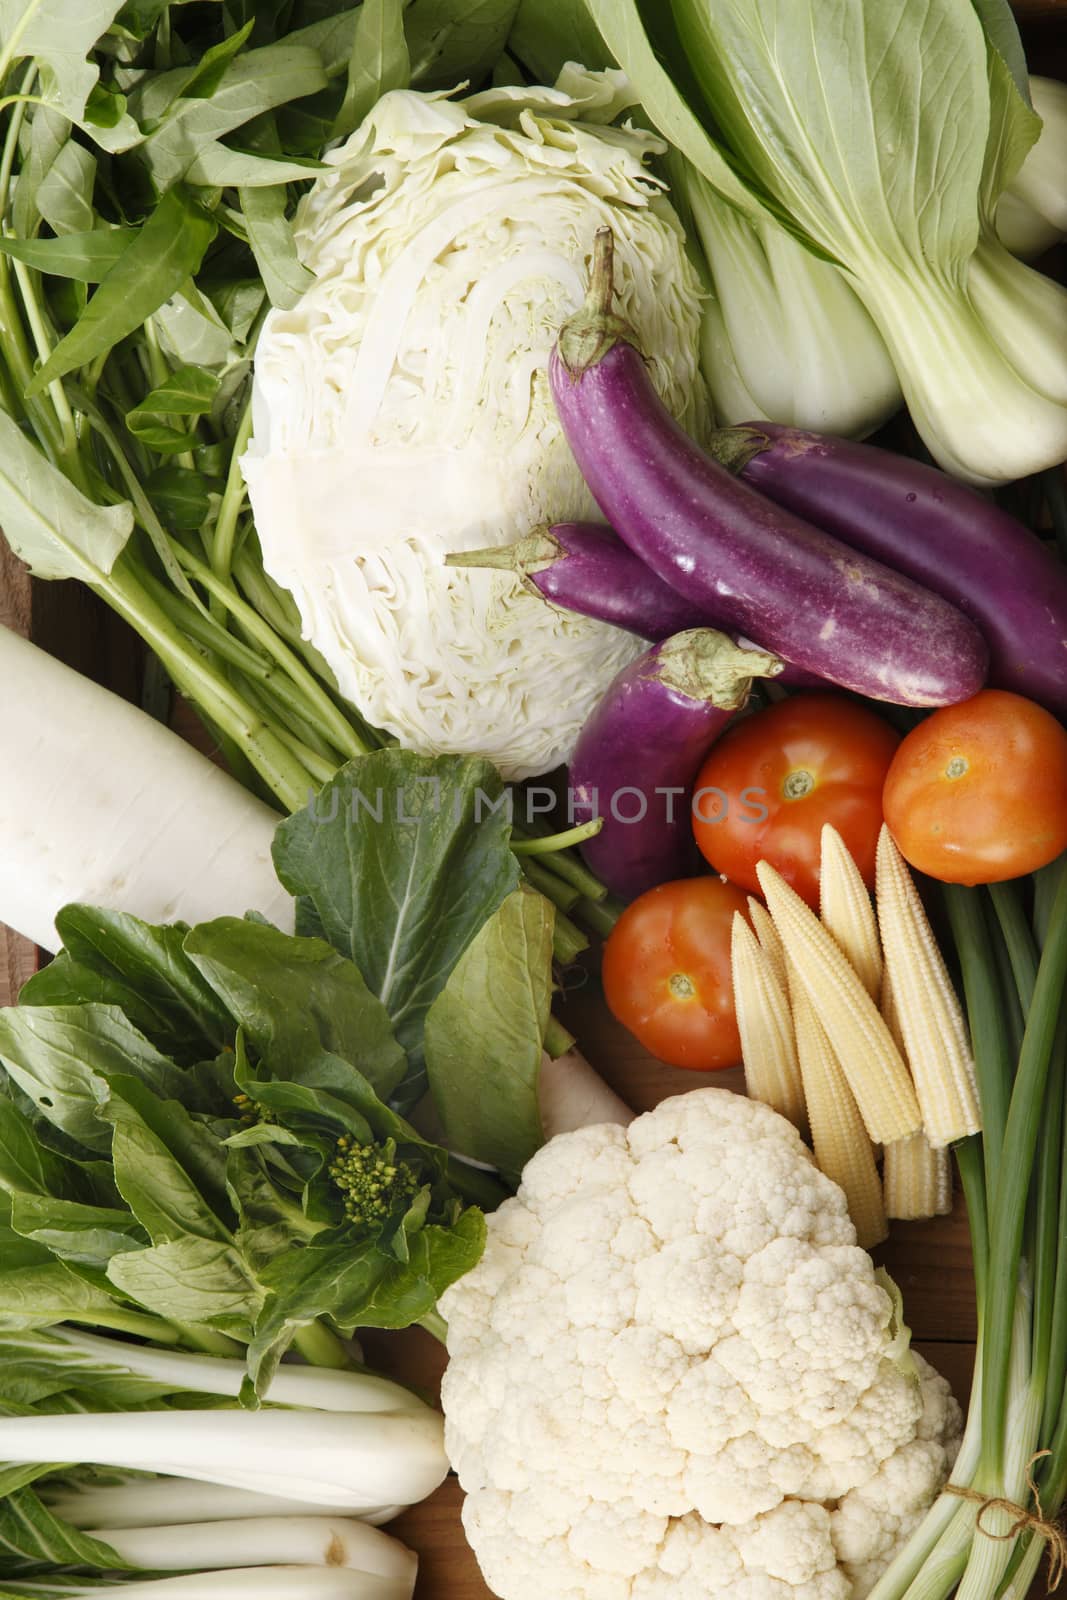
[105, 805]
[261, 1583]
[165, 1502]
[320, 1388]
[572, 1095]
[339, 1461]
[287, 1541]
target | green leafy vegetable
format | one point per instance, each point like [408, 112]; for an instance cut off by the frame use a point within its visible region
[167, 251]
[48, 522]
[293, 997]
[60, 34]
[484, 1034]
[375, 861]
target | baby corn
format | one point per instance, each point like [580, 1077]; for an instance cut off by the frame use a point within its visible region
[876, 1072]
[929, 1015]
[917, 1179]
[772, 1073]
[842, 1148]
[846, 910]
[770, 940]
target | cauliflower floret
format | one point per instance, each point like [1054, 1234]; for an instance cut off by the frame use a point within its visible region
[674, 1376]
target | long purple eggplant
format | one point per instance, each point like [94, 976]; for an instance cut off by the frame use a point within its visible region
[585, 567]
[933, 529]
[763, 571]
[639, 754]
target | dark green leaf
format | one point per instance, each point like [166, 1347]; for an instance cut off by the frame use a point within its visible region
[208, 73]
[191, 1280]
[306, 1284]
[28, 1166]
[167, 251]
[85, 1235]
[398, 863]
[17, 1253]
[63, 1056]
[296, 997]
[87, 257]
[31, 1537]
[111, 955]
[451, 40]
[358, 1285]
[39, 1296]
[181, 496]
[484, 1034]
[548, 33]
[271, 1222]
[188, 392]
[170, 1170]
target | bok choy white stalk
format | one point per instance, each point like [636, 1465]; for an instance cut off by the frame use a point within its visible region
[318, 1388]
[253, 1583]
[167, 1502]
[802, 349]
[282, 1541]
[340, 1460]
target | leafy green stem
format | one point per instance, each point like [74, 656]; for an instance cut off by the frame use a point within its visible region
[1011, 1188]
[330, 720]
[435, 1323]
[322, 1348]
[985, 1012]
[553, 842]
[233, 499]
[271, 756]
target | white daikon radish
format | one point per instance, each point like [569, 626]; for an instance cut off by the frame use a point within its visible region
[100, 803]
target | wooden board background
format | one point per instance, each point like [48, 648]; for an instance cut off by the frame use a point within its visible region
[930, 1261]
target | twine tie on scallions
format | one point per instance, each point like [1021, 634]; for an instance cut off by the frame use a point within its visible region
[1025, 1521]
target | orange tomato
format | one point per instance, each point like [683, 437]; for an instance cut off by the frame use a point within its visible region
[666, 972]
[774, 779]
[977, 793]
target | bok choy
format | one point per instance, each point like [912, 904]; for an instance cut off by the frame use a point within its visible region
[882, 136]
[785, 337]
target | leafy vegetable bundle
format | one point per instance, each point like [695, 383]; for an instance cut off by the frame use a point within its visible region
[200, 1146]
[882, 138]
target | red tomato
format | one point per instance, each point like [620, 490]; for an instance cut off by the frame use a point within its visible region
[978, 792]
[666, 972]
[775, 778]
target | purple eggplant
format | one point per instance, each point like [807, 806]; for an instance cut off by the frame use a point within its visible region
[585, 567]
[639, 754]
[933, 529]
[758, 568]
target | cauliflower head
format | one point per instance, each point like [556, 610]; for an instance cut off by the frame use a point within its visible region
[402, 408]
[675, 1376]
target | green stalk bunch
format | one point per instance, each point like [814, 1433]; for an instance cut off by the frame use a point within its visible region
[986, 1536]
